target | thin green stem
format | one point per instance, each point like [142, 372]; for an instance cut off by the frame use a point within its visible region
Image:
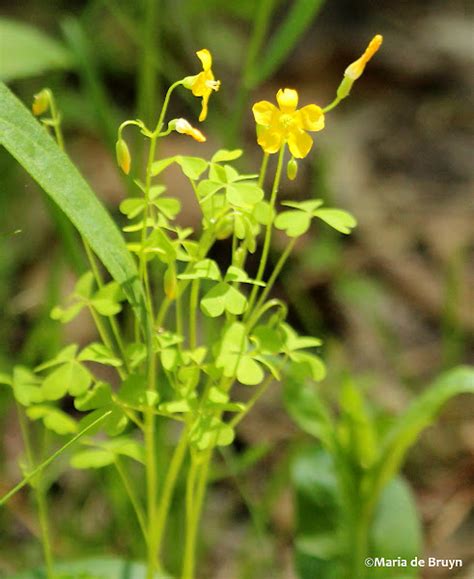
[274, 276]
[250, 404]
[188, 561]
[100, 282]
[127, 483]
[193, 307]
[332, 105]
[30, 476]
[151, 480]
[268, 233]
[168, 488]
[40, 497]
[263, 169]
[56, 117]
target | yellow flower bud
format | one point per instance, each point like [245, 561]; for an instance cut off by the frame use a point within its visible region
[185, 128]
[124, 159]
[354, 70]
[40, 102]
[292, 169]
[170, 282]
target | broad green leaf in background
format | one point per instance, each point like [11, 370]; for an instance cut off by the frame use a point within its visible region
[305, 406]
[298, 19]
[318, 504]
[27, 141]
[26, 51]
[396, 530]
[419, 416]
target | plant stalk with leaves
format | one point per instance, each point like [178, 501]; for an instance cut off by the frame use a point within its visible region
[170, 368]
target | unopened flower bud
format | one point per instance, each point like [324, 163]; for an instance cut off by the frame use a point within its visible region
[185, 128]
[292, 169]
[355, 70]
[40, 102]
[170, 282]
[224, 227]
[124, 159]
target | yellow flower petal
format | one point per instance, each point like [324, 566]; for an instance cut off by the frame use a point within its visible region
[287, 99]
[205, 100]
[299, 143]
[310, 118]
[205, 57]
[270, 141]
[264, 112]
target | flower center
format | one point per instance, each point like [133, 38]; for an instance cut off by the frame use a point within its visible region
[286, 120]
[213, 84]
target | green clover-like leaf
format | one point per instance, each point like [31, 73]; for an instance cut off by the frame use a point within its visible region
[294, 223]
[337, 218]
[223, 297]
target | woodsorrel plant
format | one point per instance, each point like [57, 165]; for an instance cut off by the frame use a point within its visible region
[167, 366]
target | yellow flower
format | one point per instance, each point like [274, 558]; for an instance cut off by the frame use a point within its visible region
[185, 128]
[204, 83]
[287, 124]
[354, 70]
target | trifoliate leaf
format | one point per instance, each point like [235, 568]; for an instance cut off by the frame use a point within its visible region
[337, 218]
[192, 167]
[294, 223]
[249, 372]
[65, 315]
[97, 352]
[315, 365]
[71, 377]
[98, 397]
[223, 297]
[67, 354]
[244, 194]
[26, 386]
[224, 155]
[85, 285]
[159, 166]
[133, 207]
[204, 269]
[53, 419]
[93, 458]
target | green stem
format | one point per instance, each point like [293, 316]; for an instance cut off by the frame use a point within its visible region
[168, 488]
[40, 497]
[274, 276]
[195, 491]
[132, 496]
[56, 117]
[268, 233]
[151, 480]
[188, 561]
[113, 321]
[263, 169]
[193, 307]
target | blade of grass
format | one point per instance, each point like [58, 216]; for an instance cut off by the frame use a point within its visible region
[297, 21]
[29, 143]
[50, 459]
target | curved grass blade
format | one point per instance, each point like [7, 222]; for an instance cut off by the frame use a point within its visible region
[299, 18]
[420, 415]
[29, 143]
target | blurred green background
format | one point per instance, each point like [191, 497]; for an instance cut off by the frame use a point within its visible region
[393, 303]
